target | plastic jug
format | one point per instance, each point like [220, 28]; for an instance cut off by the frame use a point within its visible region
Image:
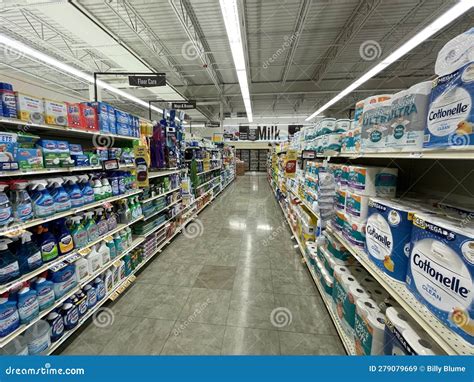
[9, 317]
[9, 267]
[37, 338]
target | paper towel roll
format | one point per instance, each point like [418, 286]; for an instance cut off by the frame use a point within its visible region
[342, 280]
[354, 292]
[418, 345]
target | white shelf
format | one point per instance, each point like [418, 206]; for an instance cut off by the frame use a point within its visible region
[209, 181]
[462, 153]
[63, 130]
[5, 340]
[16, 229]
[449, 341]
[158, 174]
[205, 172]
[163, 209]
[159, 196]
[46, 171]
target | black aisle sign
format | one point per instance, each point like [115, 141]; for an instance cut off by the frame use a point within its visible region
[213, 125]
[243, 133]
[148, 81]
[183, 105]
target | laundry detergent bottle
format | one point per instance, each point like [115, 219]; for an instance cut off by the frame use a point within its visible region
[91, 227]
[74, 191]
[9, 267]
[22, 206]
[63, 236]
[43, 202]
[6, 212]
[78, 232]
[29, 254]
[47, 244]
[60, 196]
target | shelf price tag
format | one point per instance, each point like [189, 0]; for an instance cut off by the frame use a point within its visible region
[110, 164]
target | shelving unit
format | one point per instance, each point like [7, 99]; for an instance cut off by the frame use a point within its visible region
[158, 174]
[160, 195]
[462, 153]
[163, 209]
[66, 170]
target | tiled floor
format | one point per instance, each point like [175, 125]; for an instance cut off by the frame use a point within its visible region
[238, 288]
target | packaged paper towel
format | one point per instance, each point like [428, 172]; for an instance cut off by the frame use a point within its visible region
[440, 272]
[326, 126]
[373, 181]
[354, 292]
[404, 337]
[340, 199]
[359, 109]
[375, 126]
[388, 235]
[339, 293]
[354, 231]
[456, 53]
[342, 125]
[369, 326]
[357, 206]
[450, 121]
[408, 118]
[331, 142]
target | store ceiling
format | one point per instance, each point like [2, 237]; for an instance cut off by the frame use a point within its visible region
[300, 52]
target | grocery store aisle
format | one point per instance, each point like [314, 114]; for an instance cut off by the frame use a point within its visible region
[237, 288]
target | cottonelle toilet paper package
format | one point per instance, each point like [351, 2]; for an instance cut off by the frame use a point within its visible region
[409, 109]
[440, 272]
[373, 181]
[388, 235]
[450, 121]
[456, 53]
[369, 326]
[404, 337]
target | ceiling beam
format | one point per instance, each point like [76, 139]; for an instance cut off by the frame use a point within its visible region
[295, 37]
[353, 25]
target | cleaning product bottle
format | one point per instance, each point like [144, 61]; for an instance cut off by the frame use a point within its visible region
[81, 303]
[6, 211]
[133, 208]
[9, 317]
[100, 288]
[56, 322]
[60, 196]
[108, 281]
[86, 189]
[91, 295]
[111, 218]
[47, 243]
[104, 252]
[37, 337]
[78, 232]
[139, 207]
[43, 202]
[82, 269]
[94, 259]
[114, 184]
[63, 236]
[9, 267]
[98, 190]
[70, 315]
[28, 307]
[64, 278]
[124, 239]
[74, 191]
[45, 291]
[118, 243]
[29, 255]
[91, 227]
[22, 207]
[106, 188]
[101, 222]
[109, 241]
[129, 236]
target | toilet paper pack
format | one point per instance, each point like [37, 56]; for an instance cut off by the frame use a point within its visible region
[450, 121]
[388, 236]
[409, 109]
[375, 126]
[354, 292]
[357, 206]
[326, 126]
[373, 181]
[456, 53]
[441, 268]
[369, 326]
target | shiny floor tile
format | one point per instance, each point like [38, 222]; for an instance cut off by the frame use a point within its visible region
[246, 341]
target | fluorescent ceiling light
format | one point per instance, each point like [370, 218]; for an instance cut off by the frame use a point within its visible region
[452, 14]
[52, 62]
[230, 14]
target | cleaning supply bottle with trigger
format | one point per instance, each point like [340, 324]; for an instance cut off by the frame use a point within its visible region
[43, 202]
[60, 196]
[101, 222]
[29, 255]
[63, 236]
[74, 191]
[6, 212]
[22, 206]
[78, 232]
[9, 267]
[111, 218]
[86, 189]
[47, 243]
[91, 227]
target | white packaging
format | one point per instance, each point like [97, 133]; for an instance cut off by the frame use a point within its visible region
[373, 181]
[357, 206]
[409, 109]
[55, 112]
[343, 125]
[355, 291]
[37, 338]
[375, 126]
[326, 126]
[455, 53]
[369, 328]
[331, 142]
[29, 108]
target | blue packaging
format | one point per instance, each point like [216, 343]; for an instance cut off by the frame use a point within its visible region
[70, 315]
[388, 234]
[121, 122]
[45, 290]
[450, 121]
[7, 101]
[80, 160]
[9, 318]
[56, 322]
[75, 149]
[91, 296]
[112, 119]
[63, 278]
[99, 286]
[81, 303]
[28, 307]
[102, 115]
[441, 268]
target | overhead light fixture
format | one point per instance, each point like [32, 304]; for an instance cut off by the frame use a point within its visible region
[54, 63]
[450, 15]
[230, 14]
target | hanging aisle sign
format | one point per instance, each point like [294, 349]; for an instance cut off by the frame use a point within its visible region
[183, 105]
[148, 81]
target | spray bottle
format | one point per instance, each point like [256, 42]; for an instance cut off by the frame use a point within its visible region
[139, 207]
[6, 212]
[118, 244]
[78, 232]
[109, 241]
[47, 243]
[104, 251]
[74, 191]
[9, 267]
[28, 307]
[63, 236]
[43, 202]
[111, 218]
[29, 255]
[86, 189]
[106, 188]
[60, 196]
[91, 227]
[22, 207]
[102, 225]
[98, 190]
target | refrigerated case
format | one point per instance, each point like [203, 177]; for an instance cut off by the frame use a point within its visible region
[254, 159]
